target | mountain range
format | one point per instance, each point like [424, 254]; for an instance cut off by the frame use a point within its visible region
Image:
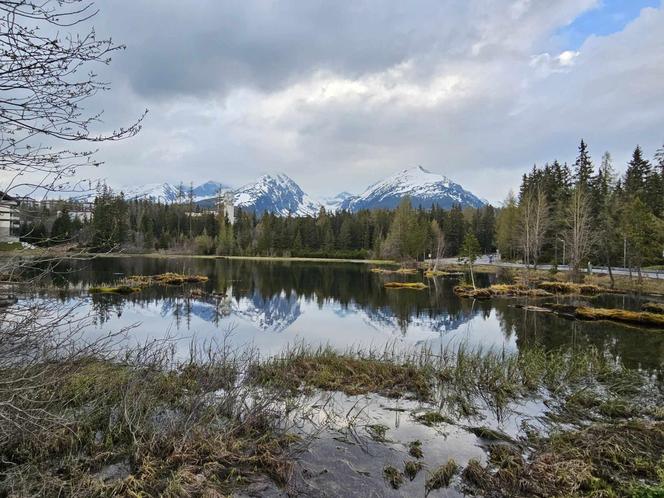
[280, 195]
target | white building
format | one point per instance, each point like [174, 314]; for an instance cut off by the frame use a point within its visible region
[228, 207]
[9, 220]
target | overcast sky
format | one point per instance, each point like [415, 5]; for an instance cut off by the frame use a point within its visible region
[339, 94]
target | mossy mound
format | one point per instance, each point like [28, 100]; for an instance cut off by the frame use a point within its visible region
[600, 460]
[499, 290]
[400, 271]
[442, 273]
[643, 318]
[334, 372]
[119, 289]
[653, 308]
[178, 279]
[406, 285]
[573, 288]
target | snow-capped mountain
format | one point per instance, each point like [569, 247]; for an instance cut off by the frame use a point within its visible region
[334, 203]
[163, 192]
[208, 189]
[277, 194]
[424, 188]
[166, 192]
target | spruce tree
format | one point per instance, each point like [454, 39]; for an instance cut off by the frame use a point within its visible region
[583, 167]
[636, 176]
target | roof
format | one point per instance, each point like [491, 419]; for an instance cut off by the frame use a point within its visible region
[7, 197]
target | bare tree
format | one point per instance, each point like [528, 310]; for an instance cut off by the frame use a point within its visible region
[45, 78]
[47, 61]
[579, 235]
[534, 222]
[439, 241]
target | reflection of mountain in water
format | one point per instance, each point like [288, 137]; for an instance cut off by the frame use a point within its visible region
[385, 318]
[275, 313]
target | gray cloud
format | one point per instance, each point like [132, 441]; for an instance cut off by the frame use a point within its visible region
[339, 94]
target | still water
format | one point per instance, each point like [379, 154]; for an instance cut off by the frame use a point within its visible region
[270, 304]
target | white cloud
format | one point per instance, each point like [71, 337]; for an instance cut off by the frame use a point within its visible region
[340, 98]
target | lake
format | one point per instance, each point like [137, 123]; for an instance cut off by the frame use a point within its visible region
[272, 304]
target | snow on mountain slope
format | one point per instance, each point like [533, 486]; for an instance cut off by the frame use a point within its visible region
[423, 187]
[277, 194]
[334, 203]
[163, 192]
[166, 192]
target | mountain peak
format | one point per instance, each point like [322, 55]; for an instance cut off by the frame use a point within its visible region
[421, 185]
[276, 193]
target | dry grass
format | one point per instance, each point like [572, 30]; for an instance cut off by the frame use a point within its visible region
[406, 285]
[399, 271]
[393, 476]
[499, 290]
[641, 318]
[136, 283]
[411, 468]
[599, 460]
[653, 307]
[168, 279]
[442, 273]
[415, 449]
[331, 371]
[432, 418]
[573, 288]
[441, 477]
[117, 289]
[188, 430]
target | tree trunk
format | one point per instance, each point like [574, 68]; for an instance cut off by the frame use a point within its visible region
[608, 265]
[472, 276]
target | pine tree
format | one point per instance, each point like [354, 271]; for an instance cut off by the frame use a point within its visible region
[636, 176]
[406, 238]
[583, 166]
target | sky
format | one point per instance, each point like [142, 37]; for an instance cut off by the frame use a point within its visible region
[339, 95]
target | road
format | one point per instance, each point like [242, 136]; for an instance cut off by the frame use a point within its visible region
[484, 260]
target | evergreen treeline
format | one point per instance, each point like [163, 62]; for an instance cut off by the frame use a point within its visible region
[141, 225]
[586, 214]
[575, 215]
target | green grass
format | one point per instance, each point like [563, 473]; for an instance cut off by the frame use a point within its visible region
[10, 246]
[406, 285]
[118, 289]
[206, 428]
[87, 414]
[432, 418]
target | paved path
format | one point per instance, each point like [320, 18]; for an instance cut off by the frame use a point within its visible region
[484, 260]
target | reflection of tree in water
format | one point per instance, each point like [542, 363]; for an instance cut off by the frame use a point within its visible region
[637, 348]
[277, 289]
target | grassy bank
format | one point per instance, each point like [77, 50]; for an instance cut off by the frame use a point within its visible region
[605, 432]
[145, 426]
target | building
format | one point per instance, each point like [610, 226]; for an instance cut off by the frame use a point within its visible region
[229, 207]
[9, 220]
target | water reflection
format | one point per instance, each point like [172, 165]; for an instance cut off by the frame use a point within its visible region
[271, 304]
